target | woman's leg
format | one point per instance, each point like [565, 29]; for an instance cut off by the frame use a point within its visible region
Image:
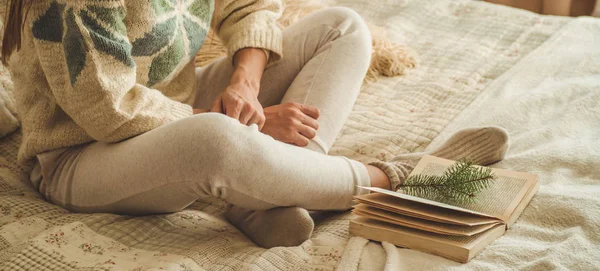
[168, 168]
[326, 56]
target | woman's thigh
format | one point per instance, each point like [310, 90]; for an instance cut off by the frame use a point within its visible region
[162, 170]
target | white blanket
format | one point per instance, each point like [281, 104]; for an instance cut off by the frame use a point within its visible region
[480, 64]
[549, 101]
[550, 104]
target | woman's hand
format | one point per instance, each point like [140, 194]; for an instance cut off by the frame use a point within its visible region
[291, 123]
[239, 100]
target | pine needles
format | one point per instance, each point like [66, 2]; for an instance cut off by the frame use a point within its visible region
[459, 183]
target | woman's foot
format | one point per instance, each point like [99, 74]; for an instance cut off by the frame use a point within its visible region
[482, 145]
[277, 227]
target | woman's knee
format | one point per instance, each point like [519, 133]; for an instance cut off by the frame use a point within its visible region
[205, 127]
[351, 24]
[345, 14]
[209, 134]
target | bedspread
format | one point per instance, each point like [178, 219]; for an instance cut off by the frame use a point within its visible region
[479, 64]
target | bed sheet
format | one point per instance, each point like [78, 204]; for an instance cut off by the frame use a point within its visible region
[473, 68]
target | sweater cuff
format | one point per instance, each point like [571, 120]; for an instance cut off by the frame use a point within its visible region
[267, 53]
[180, 111]
[270, 40]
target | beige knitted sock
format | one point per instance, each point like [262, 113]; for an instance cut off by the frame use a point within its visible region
[283, 226]
[482, 145]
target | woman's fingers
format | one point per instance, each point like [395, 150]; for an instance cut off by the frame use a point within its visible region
[247, 115]
[309, 110]
[233, 108]
[291, 123]
[255, 118]
[310, 122]
[300, 140]
[307, 131]
[307, 114]
[217, 105]
[259, 120]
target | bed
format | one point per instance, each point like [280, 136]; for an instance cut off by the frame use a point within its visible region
[478, 64]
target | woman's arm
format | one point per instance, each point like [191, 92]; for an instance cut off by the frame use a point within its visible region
[249, 64]
[249, 24]
[249, 30]
[92, 75]
[239, 100]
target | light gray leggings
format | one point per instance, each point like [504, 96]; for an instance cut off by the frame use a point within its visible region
[326, 56]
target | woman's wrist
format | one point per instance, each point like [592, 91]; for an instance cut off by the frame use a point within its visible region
[248, 67]
[248, 79]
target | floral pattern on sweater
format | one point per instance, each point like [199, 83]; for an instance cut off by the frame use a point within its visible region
[180, 31]
[179, 34]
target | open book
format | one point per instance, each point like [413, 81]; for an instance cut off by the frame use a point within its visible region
[457, 232]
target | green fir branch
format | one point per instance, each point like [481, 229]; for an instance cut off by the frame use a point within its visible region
[461, 182]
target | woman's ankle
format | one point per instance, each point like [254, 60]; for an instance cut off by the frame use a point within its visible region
[378, 177]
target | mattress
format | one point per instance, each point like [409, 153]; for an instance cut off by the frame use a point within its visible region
[479, 64]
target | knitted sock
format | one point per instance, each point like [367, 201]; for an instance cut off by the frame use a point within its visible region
[283, 226]
[482, 145]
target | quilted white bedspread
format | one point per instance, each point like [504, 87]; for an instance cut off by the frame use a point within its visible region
[479, 64]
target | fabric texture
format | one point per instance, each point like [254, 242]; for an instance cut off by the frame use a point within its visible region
[99, 74]
[8, 121]
[276, 227]
[479, 65]
[249, 23]
[170, 167]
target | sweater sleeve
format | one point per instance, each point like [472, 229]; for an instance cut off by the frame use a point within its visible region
[86, 57]
[249, 23]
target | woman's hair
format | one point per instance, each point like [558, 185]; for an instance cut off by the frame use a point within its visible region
[13, 27]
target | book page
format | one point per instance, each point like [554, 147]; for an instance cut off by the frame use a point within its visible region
[521, 207]
[424, 201]
[459, 241]
[421, 210]
[500, 199]
[417, 223]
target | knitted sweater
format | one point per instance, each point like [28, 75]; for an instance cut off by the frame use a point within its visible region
[108, 70]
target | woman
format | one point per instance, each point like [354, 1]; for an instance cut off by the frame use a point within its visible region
[117, 119]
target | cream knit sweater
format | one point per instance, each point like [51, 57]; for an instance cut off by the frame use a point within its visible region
[108, 70]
